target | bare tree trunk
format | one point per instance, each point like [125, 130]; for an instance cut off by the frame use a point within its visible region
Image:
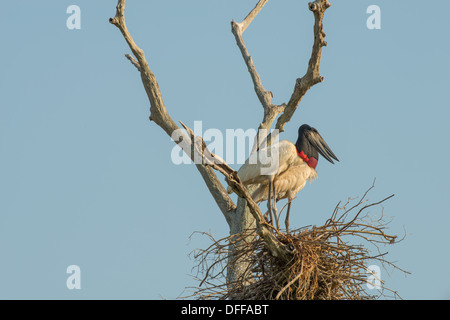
[243, 219]
[247, 214]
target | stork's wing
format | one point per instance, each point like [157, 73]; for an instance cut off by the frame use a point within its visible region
[287, 184]
[319, 143]
[268, 163]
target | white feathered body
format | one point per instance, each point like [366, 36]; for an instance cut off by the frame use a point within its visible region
[287, 184]
[289, 177]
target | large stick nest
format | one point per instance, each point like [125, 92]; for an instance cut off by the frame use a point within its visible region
[332, 261]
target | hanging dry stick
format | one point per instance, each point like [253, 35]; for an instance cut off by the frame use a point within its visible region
[262, 228]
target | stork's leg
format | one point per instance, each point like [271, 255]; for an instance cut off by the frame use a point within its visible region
[269, 206]
[275, 207]
[287, 216]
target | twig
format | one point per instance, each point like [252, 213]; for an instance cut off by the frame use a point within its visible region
[133, 61]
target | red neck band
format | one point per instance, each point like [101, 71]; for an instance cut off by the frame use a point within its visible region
[311, 162]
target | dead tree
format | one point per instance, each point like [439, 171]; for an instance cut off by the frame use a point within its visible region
[246, 214]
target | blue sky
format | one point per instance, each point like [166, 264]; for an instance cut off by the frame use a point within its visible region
[86, 179]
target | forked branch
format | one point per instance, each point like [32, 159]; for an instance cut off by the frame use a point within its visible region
[271, 111]
[302, 85]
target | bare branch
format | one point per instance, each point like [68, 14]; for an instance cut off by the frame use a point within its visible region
[312, 76]
[302, 85]
[271, 111]
[249, 18]
[264, 96]
[159, 114]
[133, 61]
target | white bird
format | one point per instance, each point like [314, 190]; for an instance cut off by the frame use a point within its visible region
[292, 165]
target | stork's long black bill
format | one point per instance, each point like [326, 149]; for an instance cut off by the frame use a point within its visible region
[319, 143]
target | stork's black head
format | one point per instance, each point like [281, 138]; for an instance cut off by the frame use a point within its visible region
[311, 143]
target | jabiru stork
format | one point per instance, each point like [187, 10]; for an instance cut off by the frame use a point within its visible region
[296, 165]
